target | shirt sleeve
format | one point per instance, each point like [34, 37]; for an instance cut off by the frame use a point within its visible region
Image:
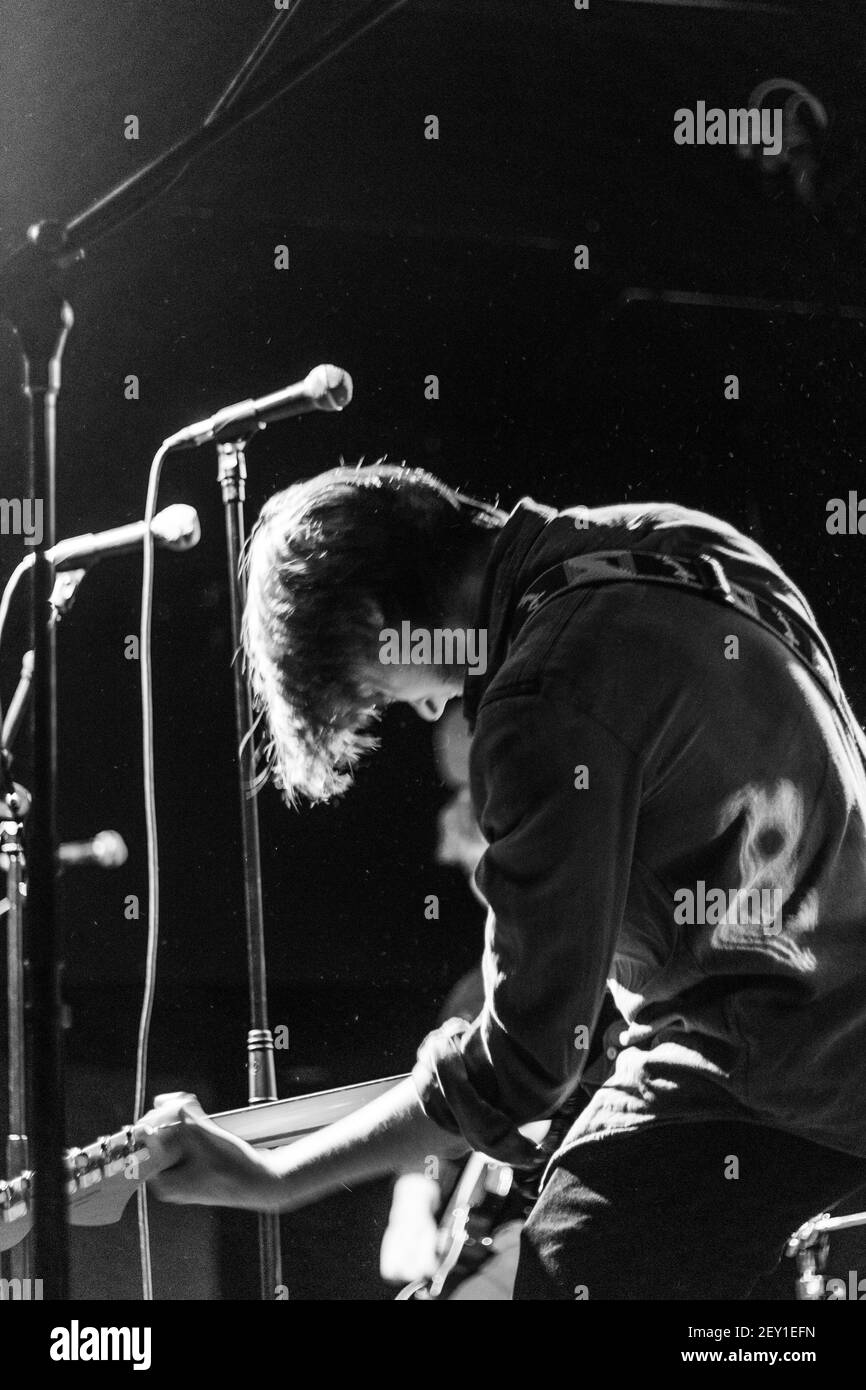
[558, 797]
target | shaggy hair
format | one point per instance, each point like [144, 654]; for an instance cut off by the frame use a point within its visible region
[330, 563]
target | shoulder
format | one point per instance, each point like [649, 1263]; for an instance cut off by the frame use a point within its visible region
[611, 666]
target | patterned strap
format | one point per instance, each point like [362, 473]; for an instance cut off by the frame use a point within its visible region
[702, 575]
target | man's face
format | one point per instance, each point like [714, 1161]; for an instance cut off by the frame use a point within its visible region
[426, 689]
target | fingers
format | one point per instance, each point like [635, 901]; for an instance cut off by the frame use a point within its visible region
[173, 1099]
[166, 1109]
[197, 1162]
[190, 1109]
[184, 1150]
[164, 1128]
[189, 1150]
[193, 1117]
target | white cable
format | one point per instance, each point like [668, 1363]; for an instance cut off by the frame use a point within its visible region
[6, 603]
[149, 776]
[11, 585]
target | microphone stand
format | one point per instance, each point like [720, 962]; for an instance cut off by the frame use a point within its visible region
[261, 1073]
[14, 807]
[33, 282]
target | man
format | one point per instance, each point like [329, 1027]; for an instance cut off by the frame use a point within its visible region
[673, 791]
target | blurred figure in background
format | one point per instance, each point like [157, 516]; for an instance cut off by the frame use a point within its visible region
[411, 1245]
[454, 1227]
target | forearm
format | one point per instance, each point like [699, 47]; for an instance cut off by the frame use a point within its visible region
[391, 1134]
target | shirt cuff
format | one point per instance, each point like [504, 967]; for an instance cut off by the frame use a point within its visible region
[450, 1099]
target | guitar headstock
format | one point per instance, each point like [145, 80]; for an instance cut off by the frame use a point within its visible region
[99, 1181]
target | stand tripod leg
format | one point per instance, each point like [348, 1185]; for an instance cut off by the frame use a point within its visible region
[17, 1148]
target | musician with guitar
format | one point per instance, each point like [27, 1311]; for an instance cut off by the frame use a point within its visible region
[661, 744]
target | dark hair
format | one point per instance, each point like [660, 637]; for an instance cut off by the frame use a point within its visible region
[331, 562]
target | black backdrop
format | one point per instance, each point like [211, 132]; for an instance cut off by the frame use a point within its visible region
[407, 257]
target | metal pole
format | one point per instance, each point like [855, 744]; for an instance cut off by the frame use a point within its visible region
[17, 1147]
[43, 321]
[261, 1072]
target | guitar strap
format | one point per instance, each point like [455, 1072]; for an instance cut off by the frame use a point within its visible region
[703, 576]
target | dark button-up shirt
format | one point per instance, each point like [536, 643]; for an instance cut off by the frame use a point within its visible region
[640, 755]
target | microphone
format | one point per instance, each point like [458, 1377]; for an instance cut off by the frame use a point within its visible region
[175, 528]
[325, 388]
[107, 850]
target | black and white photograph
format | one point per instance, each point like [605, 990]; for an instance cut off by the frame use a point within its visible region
[432, 670]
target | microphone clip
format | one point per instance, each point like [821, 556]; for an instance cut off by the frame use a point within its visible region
[232, 470]
[63, 594]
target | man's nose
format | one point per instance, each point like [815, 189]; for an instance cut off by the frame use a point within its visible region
[431, 708]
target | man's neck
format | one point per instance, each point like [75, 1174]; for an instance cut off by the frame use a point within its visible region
[465, 595]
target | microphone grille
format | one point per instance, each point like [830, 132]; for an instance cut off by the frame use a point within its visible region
[177, 527]
[330, 386]
[109, 849]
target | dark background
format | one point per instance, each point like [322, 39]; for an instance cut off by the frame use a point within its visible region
[408, 257]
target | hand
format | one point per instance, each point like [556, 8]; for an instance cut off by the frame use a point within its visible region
[410, 1244]
[200, 1163]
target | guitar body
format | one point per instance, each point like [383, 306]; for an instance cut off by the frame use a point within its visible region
[470, 1263]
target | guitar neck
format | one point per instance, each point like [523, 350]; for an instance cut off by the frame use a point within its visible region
[101, 1178]
[280, 1122]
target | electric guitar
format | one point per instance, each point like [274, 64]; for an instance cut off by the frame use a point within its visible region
[475, 1216]
[101, 1178]
[466, 1229]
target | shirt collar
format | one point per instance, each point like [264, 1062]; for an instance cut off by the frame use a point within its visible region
[500, 592]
